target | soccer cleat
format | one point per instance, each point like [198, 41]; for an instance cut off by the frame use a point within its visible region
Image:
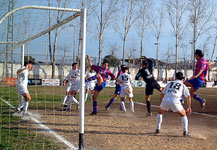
[157, 131]
[148, 114]
[203, 104]
[17, 109]
[93, 113]
[107, 108]
[186, 134]
[121, 108]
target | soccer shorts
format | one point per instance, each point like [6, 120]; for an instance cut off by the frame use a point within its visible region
[126, 91]
[73, 87]
[90, 85]
[118, 89]
[151, 86]
[22, 89]
[197, 83]
[100, 88]
[175, 106]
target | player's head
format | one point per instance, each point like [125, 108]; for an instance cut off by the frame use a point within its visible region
[179, 76]
[145, 63]
[29, 64]
[125, 69]
[198, 54]
[91, 70]
[105, 64]
[122, 67]
[75, 65]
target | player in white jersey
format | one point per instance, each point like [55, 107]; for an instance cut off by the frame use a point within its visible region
[170, 100]
[21, 86]
[73, 86]
[90, 85]
[126, 89]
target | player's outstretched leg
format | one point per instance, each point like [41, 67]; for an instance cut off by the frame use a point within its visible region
[123, 104]
[159, 119]
[131, 104]
[148, 104]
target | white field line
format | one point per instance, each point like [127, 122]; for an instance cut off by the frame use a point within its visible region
[192, 112]
[60, 138]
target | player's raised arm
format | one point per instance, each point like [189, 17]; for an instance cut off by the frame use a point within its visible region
[138, 75]
[89, 61]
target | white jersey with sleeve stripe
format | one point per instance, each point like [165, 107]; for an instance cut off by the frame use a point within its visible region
[91, 74]
[175, 90]
[73, 77]
[126, 80]
[22, 79]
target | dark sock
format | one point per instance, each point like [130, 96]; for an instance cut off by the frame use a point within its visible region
[95, 106]
[111, 101]
[148, 106]
[196, 97]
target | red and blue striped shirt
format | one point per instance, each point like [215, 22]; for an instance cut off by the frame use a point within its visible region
[202, 64]
[103, 72]
[120, 72]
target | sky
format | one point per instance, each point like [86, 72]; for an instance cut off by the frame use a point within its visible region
[167, 40]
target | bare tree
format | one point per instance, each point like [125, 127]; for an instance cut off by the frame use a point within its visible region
[107, 11]
[168, 55]
[113, 49]
[143, 21]
[177, 10]
[157, 20]
[201, 13]
[128, 18]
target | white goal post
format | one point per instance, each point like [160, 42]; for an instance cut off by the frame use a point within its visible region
[77, 13]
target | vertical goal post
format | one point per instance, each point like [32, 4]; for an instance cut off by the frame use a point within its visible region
[82, 14]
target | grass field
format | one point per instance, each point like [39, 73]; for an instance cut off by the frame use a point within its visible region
[46, 101]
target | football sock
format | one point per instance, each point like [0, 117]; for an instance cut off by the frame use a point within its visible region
[64, 99]
[86, 95]
[25, 108]
[70, 103]
[185, 123]
[75, 100]
[132, 106]
[123, 106]
[159, 120]
[110, 102]
[148, 106]
[22, 103]
[95, 106]
[196, 97]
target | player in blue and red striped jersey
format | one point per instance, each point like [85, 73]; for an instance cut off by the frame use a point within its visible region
[102, 74]
[199, 77]
[117, 89]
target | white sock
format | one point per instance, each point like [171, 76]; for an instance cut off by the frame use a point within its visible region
[64, 99]
[132, 106]
[159, 120]
[86, 95]
[22, 102]
[25, 108]
[185, 123]
[75, 100]
[70, 103]
[123, 105]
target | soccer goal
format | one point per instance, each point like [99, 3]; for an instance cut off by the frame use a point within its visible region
[34, 33]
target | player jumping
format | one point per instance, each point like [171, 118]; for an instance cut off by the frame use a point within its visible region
[151, 83]
[102, 74]
[170, 100]
[199, 77]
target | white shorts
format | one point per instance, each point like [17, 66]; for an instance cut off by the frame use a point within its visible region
[22, 90]
[73, 87]
[126, 91]
[90, 85]
[175, 106]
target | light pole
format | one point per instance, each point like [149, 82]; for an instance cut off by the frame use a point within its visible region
[157, 55]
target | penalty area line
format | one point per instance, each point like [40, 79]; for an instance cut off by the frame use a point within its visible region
[52, 132]
[203, 114]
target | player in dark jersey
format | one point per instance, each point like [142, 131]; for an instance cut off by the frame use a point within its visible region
[151, 83]
[199, 77]
[102, 74]
[117, 89]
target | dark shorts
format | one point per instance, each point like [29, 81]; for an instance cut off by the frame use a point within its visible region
[118, 89]
[197, 83]
[100, 88]
[151, 86]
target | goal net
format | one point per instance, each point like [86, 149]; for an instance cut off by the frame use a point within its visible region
[53, 38]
